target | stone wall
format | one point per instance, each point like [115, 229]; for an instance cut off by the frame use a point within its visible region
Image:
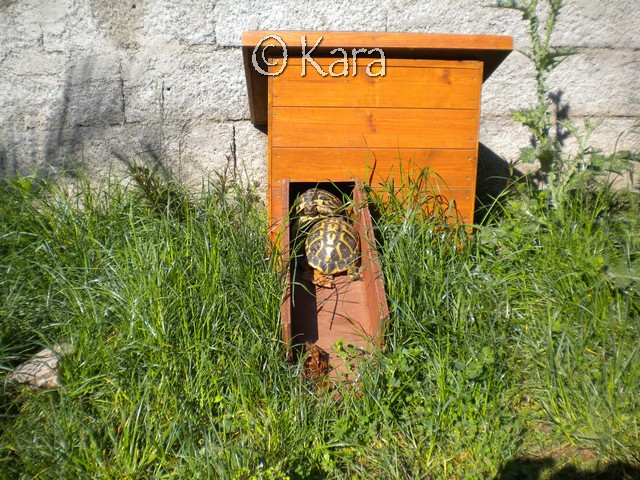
[92, 82]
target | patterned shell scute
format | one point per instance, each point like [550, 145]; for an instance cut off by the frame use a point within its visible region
[332, 245]
[316, 202]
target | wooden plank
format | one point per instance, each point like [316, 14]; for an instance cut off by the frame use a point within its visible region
[412, 85]
[371, 271]
[489, 49]
[325, 316]
[373, 127]
[277, 201]
[452, 168]
[391, 40]
[257, 89]
[282, 229]
[272, 188]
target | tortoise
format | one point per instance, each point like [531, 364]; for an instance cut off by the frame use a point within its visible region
[315, 203]
[332, 246]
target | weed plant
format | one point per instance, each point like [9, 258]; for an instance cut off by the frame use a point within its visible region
[558, 173]
[545, 58]
[518, 341]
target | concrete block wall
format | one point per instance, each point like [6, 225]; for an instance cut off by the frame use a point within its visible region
[91, 82]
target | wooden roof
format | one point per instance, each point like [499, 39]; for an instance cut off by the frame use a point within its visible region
[490, 49]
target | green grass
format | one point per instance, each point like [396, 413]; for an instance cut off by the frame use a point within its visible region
[510, 352]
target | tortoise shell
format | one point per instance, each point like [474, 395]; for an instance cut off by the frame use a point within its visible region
[315, 203]
[332, 246]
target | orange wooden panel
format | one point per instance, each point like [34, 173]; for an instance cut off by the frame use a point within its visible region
[452, 168]
[373, 127]
[406, 84]
[463, 198]
[491, 50]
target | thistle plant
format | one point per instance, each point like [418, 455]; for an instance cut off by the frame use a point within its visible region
[545, 58]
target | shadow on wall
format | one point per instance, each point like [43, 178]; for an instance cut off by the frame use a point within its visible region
[62, 141]
[5, 3]
[534, 468]
[495, 174]
[92, 114]
[560, 114]
[4, 166]
[86, 129]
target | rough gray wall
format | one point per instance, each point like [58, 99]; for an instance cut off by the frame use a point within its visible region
[88, 81]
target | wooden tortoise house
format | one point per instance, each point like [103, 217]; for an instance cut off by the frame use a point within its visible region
[342, 109]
